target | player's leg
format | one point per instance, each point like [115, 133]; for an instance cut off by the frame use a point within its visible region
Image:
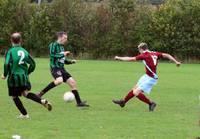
[130, 94]
[146, 100]
[19, 105]
[57, 75]
[37, 99]
[56, 82]
[123, 101]
[72, 83]
[32, 96]
[145, 85]
[14, 92]
[67, 78]
[140, 95]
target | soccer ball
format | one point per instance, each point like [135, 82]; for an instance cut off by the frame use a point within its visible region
[68, 96]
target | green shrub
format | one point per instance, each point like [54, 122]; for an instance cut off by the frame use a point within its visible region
[102, 30]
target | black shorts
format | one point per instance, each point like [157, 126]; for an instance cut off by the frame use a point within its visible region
[17, 91]
[60, 72]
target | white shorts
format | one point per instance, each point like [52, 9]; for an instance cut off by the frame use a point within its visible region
[146, 83]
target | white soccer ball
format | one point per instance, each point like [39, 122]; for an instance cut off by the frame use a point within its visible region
[68, 96]
[16, 137]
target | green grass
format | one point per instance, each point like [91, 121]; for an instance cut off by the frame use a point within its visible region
[176, 94]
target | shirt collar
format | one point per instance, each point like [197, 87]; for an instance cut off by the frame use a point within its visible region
[146, 51]
[16, 45]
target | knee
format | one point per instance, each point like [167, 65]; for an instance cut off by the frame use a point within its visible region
[58, 81]
[136, 91]
[73, 83]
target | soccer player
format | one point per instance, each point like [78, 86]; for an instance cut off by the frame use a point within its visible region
[57, 61]
[17, 70]
[148, 80]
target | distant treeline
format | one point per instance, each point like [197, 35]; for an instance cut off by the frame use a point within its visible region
[102, 30]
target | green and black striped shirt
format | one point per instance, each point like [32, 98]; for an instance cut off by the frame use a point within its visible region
[16, 66]
[57, 57]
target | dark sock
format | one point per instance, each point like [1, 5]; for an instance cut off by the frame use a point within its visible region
[143, 98]
[47, 88]
[20, 106]
[129, 96]
[34, 97]
[77, 97]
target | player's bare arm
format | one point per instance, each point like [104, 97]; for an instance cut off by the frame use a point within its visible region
[125, 58]
[168, 56]
[67, 53]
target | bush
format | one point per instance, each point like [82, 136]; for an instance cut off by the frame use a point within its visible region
[102, 30]
[174, 28]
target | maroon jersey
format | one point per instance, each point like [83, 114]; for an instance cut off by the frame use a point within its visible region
[151, 60]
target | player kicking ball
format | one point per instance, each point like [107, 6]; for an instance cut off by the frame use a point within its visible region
[17, 70]
[57, 61]
[148, 80]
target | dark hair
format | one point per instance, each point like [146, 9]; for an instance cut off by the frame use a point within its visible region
[60, 34]
[16, 38]
[143, 46]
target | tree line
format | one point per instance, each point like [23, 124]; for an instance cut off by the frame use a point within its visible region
[102, 30]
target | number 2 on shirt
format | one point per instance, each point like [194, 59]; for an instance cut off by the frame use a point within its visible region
[21, 54]
[154, 59]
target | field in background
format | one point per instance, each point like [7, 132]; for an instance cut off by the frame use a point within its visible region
[176, 94]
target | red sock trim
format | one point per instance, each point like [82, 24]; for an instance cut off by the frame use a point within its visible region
[143, 98]
[129, 96]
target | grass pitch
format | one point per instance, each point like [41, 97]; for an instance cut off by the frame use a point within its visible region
[176, 94]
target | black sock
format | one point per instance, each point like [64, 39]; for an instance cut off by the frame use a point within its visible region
[77, 97]
[20, 106]
[47, 88]
[34, 97]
